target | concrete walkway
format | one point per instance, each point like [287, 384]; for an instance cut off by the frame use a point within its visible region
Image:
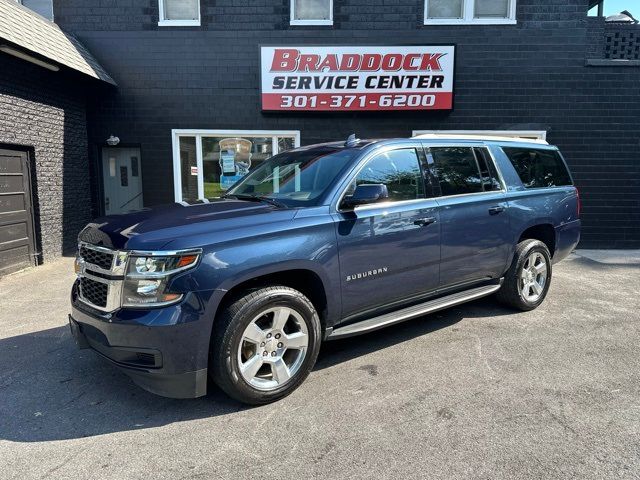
[611, 257]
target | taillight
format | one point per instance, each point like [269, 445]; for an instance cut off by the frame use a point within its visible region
[579, 203]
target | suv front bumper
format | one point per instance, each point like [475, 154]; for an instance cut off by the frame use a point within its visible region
[164, 350]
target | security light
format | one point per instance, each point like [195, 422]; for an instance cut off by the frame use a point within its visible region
[113, 141]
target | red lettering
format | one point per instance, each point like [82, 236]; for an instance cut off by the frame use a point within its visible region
[285, 60]
[431, 62]
[350, 62]
[392, 62]
[371, 62]
[330, 63]
[407, 64]
[308, 63]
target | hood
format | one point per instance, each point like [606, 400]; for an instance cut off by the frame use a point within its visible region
[155, 228]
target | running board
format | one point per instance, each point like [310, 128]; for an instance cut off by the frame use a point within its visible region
[408, 313]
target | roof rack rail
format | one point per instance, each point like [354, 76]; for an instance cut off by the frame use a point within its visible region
[461, 136]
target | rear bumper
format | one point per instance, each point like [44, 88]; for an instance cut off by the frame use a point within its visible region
[567, 238]
[164, 351]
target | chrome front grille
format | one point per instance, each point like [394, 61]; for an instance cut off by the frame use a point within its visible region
[100, 275]
[101, 258]
[94, 292]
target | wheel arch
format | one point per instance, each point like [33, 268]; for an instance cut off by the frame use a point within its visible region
[303, 276]
[543, 231]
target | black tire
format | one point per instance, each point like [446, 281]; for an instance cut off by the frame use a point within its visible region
[511, 292]
[228, 332]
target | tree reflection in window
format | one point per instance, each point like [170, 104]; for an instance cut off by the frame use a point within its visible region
[399, 170]
[457, 170]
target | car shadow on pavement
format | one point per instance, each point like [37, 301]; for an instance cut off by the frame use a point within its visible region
[339, 351]
[49, 390]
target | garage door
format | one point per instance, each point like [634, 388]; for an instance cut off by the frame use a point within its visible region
[16, 218]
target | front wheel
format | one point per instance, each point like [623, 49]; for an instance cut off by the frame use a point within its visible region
[265, 344]
[527, 281]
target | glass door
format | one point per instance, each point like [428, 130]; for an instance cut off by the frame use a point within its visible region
[207, 163]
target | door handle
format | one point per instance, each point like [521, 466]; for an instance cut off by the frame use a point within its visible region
[496, 210]
[423, 222]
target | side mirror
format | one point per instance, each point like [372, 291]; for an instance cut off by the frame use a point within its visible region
[366, 194]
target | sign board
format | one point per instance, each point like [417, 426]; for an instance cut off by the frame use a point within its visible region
[342, 78]
[194, 171]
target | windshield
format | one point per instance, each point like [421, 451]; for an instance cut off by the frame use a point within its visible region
[295, 178]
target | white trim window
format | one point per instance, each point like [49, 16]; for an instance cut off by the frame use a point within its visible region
[207, 162]
[524, 134]
[179, 13]
[469, 12]
[311, 12]
[43, 8]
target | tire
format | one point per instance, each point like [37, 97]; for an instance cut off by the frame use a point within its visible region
[272, 320]
[521, 274]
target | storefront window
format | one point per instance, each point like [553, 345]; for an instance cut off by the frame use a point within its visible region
[189, 168]
[225, 159]
[286, 143]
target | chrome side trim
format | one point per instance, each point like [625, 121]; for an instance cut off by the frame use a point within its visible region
[163, 253]
[408, 313]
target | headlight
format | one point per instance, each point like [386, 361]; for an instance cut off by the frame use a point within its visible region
[147, 277]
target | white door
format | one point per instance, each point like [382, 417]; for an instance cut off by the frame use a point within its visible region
[122, 180]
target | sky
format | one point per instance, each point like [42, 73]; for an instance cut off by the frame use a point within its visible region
[616, 6]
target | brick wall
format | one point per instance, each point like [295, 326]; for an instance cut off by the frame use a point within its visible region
[46, 112]
[526, 76]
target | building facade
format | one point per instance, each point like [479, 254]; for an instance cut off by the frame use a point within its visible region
[188, 114]
[47, 80]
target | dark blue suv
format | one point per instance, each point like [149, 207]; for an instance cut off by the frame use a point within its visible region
[318, 243]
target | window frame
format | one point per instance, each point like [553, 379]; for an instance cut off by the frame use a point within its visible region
[468, 18]
[293, 21]
[199, 134]
[165, 22]
[52, 19]
[424, 170]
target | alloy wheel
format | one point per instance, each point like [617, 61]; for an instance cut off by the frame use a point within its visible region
[533, 277]
[273, 348]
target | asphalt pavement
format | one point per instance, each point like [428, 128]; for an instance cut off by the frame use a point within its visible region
[476, 391]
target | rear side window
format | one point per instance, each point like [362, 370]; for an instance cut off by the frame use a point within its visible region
[456, 170]
[538, 168]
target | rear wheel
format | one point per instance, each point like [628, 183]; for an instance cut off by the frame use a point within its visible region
[527, 281]
[265, 344]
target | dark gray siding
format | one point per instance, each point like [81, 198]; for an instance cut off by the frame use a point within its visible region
[526, 76]
[46, 112]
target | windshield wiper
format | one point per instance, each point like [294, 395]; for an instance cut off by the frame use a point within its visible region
[255, 198]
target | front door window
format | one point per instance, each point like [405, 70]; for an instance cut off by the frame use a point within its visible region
[211, 162]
